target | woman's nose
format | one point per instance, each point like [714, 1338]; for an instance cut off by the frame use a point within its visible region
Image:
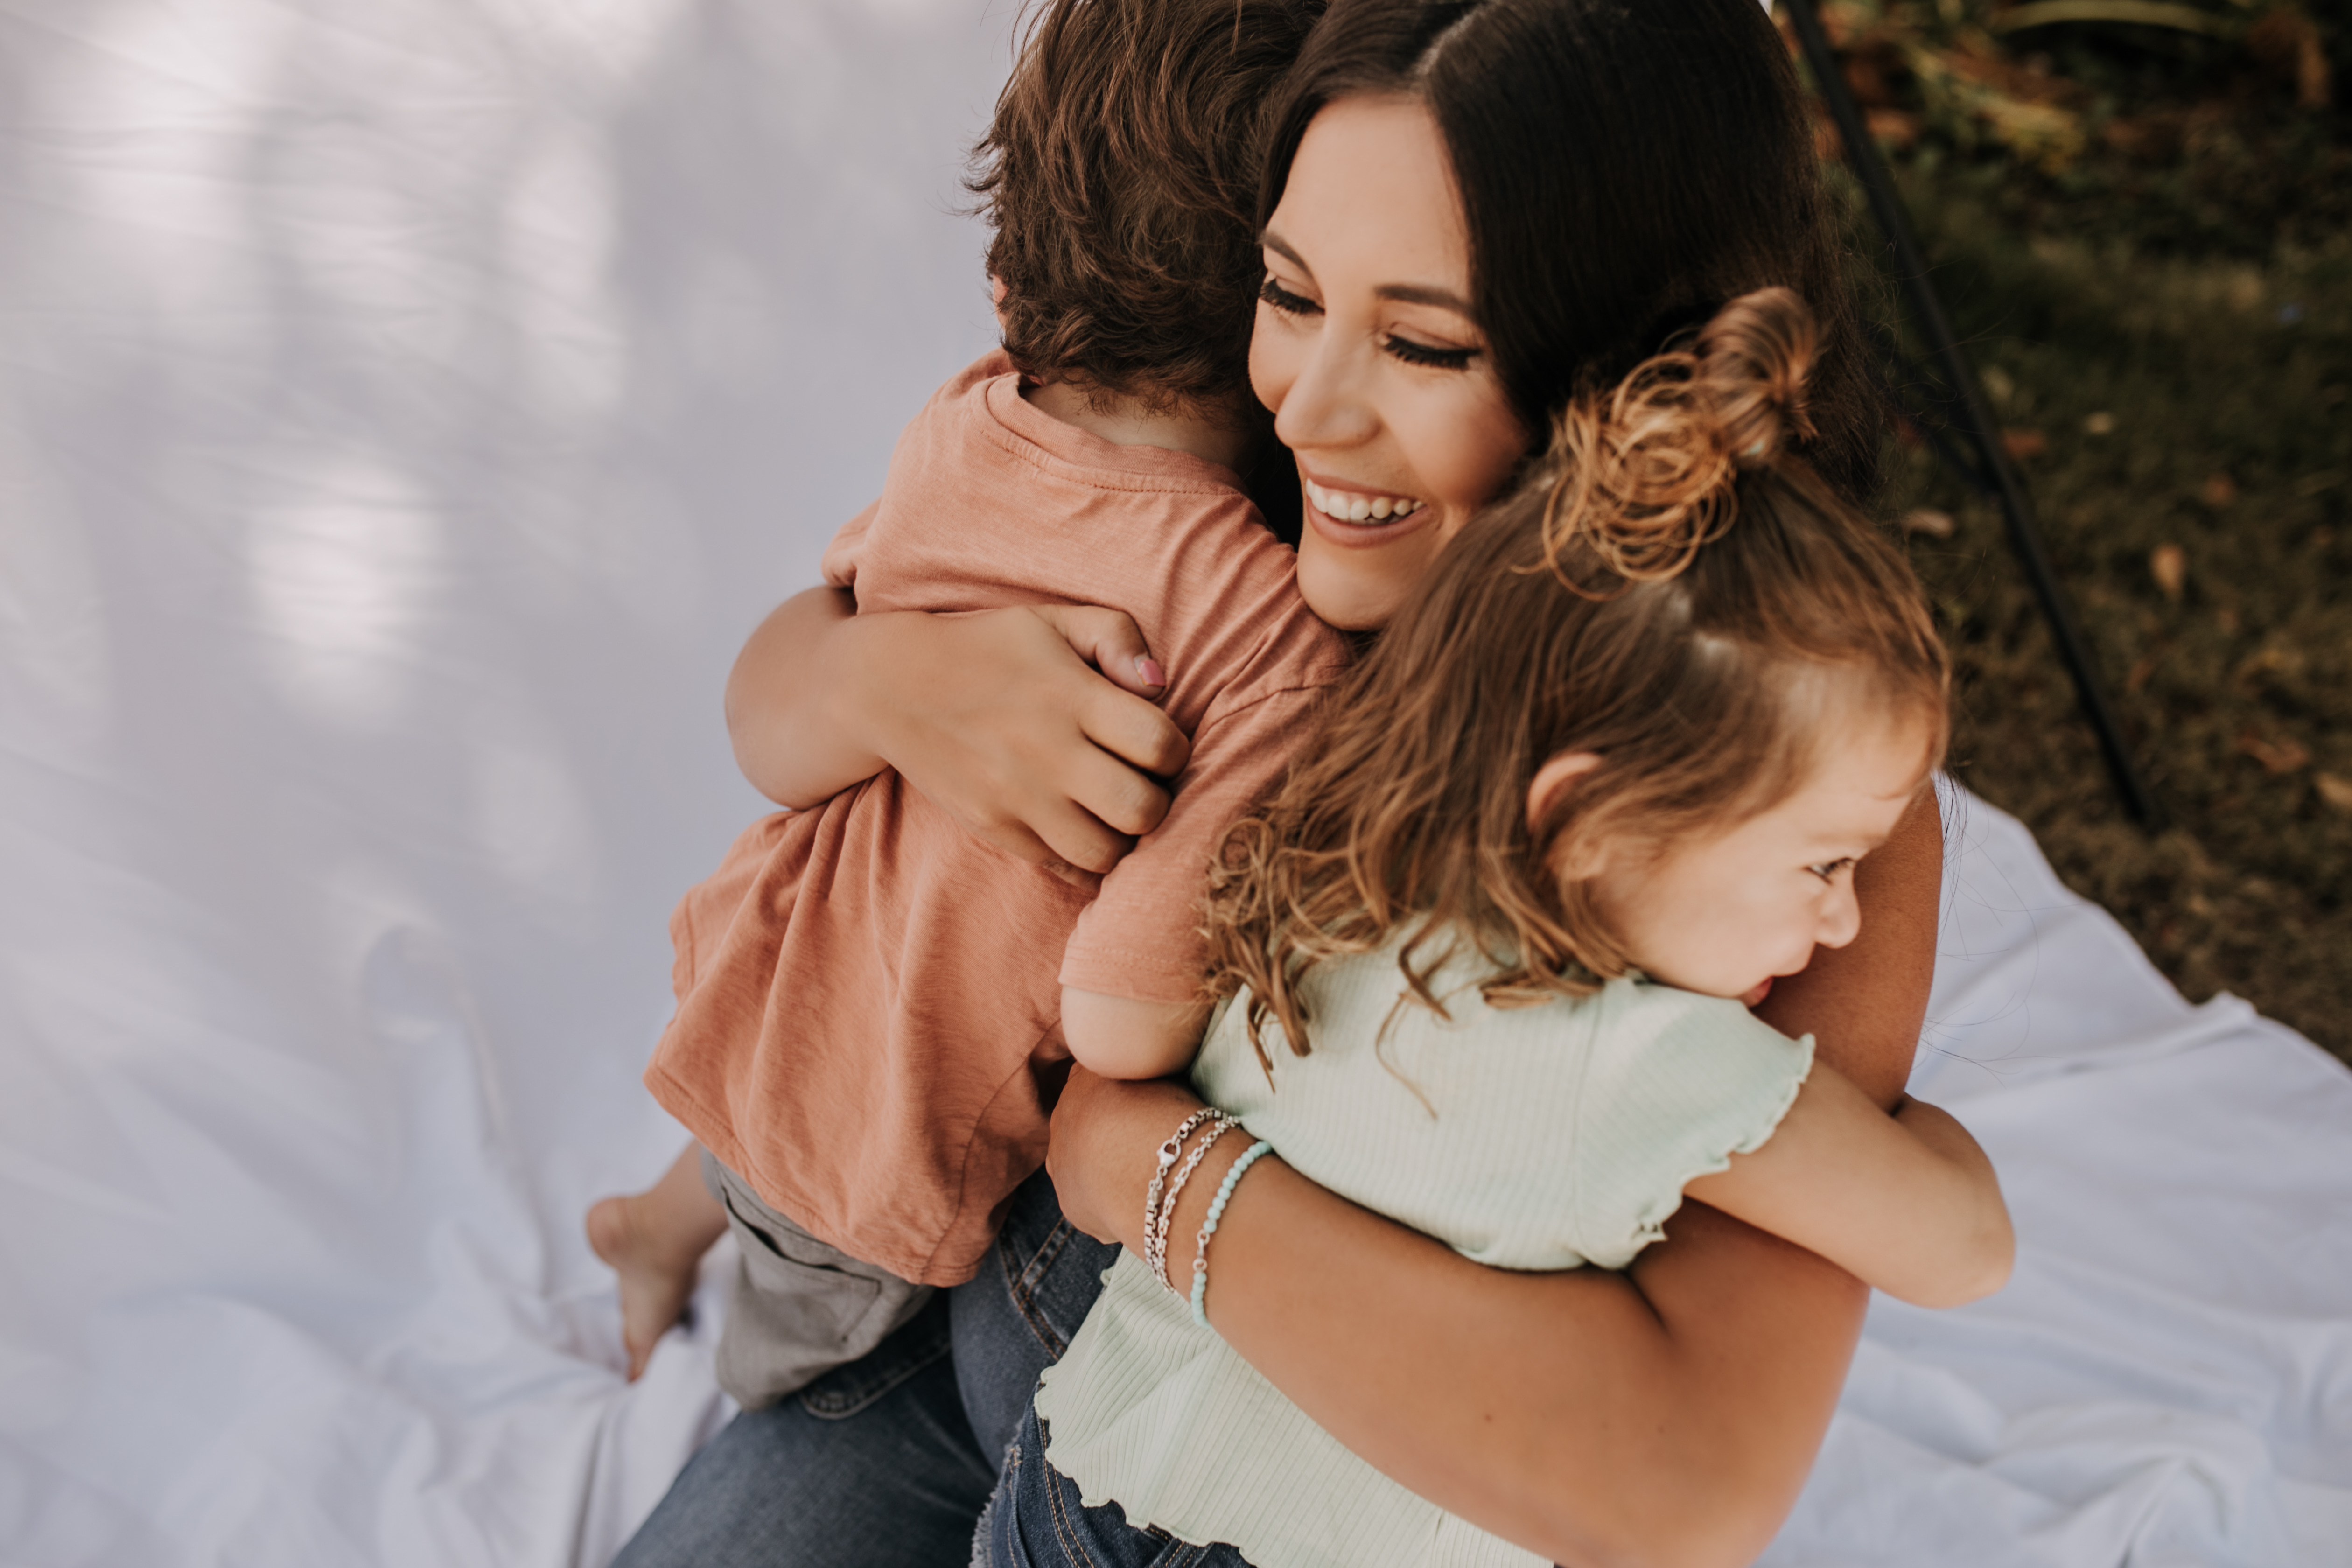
[1325, 405]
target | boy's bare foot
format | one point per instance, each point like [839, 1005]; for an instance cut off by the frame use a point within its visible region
[657, 1272]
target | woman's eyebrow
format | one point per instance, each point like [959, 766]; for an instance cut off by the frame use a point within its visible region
[1275, 242]
[1422, 294]
[1404, 293]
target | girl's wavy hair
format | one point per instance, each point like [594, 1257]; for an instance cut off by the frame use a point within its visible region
[1671, 588]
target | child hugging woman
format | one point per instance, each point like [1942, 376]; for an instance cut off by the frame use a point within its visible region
[1471, 211]
[1486, 957]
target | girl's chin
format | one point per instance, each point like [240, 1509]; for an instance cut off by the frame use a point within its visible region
[1754, 996]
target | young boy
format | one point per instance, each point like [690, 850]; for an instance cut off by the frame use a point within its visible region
[874, 1008]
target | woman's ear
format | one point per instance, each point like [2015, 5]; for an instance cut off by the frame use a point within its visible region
[1552, 780]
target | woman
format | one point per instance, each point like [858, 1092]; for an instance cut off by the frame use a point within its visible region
[1472, 209]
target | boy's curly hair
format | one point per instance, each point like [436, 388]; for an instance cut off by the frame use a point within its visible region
[1120, 174]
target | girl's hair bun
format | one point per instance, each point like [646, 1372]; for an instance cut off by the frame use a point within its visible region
[1753, 359]
[1644, 476]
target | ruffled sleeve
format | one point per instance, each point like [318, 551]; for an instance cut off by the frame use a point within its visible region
[1673, 1085]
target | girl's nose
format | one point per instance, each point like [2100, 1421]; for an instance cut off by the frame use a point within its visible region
[1841, 920]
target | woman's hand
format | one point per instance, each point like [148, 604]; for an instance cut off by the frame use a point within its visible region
[1004, 718]
[1106, 1141]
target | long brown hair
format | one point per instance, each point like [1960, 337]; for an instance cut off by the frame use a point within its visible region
[1625, 167]
[1671, 588]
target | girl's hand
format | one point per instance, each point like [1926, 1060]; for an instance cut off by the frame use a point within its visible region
[1004, 718]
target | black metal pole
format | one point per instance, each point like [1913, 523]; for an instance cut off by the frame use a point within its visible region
[1976, 416]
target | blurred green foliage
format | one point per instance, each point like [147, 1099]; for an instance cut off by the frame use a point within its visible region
[2155, 278]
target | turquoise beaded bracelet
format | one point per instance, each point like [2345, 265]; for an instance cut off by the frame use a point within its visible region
[1209, 1227]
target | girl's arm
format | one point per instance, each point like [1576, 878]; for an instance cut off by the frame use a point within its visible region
[996, 717]
[1665, 1415]
[1907, 1203]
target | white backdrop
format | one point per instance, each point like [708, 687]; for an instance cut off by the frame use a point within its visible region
[406, 408]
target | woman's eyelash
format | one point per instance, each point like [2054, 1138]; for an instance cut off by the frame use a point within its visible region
[1404, 349]
[1827, 869]
[1412, 352]
[1283, 300]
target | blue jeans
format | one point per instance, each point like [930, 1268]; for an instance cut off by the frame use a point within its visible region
[1035, 1520]
[889, 1461]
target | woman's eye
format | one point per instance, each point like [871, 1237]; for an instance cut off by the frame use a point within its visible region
[1411, 352]
[1283, 300]
[1827, 869]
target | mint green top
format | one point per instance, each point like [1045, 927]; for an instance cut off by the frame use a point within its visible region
[1535, 1138]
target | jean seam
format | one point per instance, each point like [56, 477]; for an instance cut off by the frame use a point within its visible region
[1022, 1287]
[1071, 1545]
[830, 1404]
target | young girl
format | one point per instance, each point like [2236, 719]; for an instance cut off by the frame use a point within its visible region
[1488, 953]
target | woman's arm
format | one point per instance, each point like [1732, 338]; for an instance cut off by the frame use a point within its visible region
[1665, 1416]
[1907, 1203]
[1003, 718]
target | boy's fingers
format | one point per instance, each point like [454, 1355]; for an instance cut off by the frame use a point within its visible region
[1111, 642]
[1135, 732]
[1078, 844]
[1126, 803]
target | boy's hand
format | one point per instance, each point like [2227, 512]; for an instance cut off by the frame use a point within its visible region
[1031, 726]
[996, 717]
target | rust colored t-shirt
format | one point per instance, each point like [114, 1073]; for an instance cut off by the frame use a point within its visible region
[868, 1027]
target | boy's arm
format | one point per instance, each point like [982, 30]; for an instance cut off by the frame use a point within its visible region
[1011, 720]
[1907, 1203]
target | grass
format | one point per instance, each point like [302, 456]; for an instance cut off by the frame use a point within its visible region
[2166, 335]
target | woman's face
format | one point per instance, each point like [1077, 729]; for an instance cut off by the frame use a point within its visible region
[1365, 350]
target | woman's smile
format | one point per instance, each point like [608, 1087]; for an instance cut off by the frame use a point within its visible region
[1345, 503]
[1353, 515]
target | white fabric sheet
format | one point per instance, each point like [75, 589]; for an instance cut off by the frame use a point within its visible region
[406, 408]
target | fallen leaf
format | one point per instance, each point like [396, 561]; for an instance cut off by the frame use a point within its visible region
[1893, 127]
[2276, 756]
[2168, 564]
[1927, 520]
[2023, 444]
[2100, 423]
[2219, 491]
[2271, 658]
[2336, 790]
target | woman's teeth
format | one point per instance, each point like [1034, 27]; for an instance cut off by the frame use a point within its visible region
[1348, 506]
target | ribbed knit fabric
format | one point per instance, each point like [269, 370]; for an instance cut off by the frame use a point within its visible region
[1535, 1138]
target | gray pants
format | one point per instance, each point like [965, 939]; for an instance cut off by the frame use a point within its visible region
[798, 1308]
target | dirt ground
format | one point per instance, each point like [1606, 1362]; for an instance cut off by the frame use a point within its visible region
[2155, 278]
